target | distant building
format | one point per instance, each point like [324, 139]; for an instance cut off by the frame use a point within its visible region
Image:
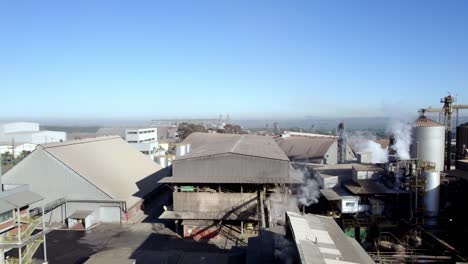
[144, 139]
[25, 132]
[88, 181]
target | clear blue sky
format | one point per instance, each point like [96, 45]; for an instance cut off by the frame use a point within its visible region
[252, 59]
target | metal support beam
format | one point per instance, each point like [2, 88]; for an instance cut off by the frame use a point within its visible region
[44, 245]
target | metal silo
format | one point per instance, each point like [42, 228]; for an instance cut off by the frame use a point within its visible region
[429, 142]
[429, 145]
[462, 141]
[432, 190]
[181, 150]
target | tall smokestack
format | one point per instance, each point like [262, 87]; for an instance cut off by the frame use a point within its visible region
[341, 143]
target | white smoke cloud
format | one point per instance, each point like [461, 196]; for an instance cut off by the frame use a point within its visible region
[401, 131]
[306, 194]
[366, 142]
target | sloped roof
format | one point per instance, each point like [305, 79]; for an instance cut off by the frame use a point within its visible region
[426, 122]
[319, 239]
[109, 163]
[298, 147]
[208, 144]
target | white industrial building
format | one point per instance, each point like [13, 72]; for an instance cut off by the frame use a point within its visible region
[144, 139]
[26, 132]
[88, 181]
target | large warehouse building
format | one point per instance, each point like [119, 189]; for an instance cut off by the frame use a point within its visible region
[88, 181]
[25, 132]
[225, 177]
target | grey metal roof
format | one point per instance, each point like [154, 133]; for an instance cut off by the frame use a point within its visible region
[23, 198]
[202, 216]
[367, 167]
[336, 193]
[209, 144]
[299, 147]
[6, 206]
[320, 240]
[370, 187]
[233, 180]
[109, 163]
[80, 214]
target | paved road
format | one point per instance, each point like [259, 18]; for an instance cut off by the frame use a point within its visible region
[149, 241]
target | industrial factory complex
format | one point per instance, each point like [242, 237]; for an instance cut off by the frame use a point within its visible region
[141, 194]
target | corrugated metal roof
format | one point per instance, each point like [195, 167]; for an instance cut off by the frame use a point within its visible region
[209, 144]
[320, 240]
[233, 180]
[110, 164]
[426, 122]
[370, 187]
[203, 216]
[336, 193]
[298, 147]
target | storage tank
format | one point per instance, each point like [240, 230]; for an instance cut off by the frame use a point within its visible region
[429, 142]
[181, 150]
[462, 141]
[162, 161]
[431, 195]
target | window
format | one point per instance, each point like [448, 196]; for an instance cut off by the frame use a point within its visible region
[132, 141]
[6, 216]
[350, 204]
[132, 132]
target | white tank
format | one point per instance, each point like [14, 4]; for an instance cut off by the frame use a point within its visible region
[431, 196]
[162, 161]
[181, 150]
[429, 142]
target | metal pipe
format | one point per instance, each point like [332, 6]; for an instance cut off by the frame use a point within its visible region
[44, 245]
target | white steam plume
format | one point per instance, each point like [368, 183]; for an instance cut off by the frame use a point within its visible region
[401, 131]
[365, 142]
[309, 192]
[305, 195]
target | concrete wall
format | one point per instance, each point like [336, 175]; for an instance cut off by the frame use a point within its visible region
[231, 165]
[18, 127]
[213, 202]
[331, 157]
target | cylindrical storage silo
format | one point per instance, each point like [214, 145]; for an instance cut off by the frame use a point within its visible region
[462, 141]
[162, 161]
[181, 150]
[431, 195]
[429, 142]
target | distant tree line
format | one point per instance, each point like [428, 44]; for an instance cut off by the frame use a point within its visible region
[8, 160]
[185, 129]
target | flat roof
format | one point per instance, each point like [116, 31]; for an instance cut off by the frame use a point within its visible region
[367, 167]
[337, 193]
[80, 214]
[23, 198]
[370, 187]
[319, 239]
